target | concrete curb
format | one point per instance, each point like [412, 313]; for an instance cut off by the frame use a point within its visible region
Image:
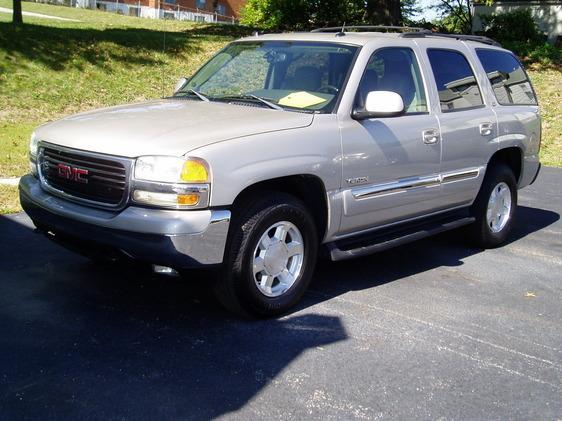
[9, 181]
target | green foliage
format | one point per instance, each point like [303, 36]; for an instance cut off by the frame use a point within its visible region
[545, 54]
[455, 16]
[264, 14]
[410, 9]
[515, 26]
[518, 31]
[307, 14]
[456, 21]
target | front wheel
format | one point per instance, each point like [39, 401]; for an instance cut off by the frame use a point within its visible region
[270, 257]
[494, 207]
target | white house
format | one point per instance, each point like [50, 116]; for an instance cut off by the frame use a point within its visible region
[547, 14]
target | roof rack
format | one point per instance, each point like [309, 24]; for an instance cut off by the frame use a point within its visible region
[407, 32]
[426, 33]
[367, 28]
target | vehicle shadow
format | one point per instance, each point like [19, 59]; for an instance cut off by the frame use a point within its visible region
[83, 341]
[80, 340]
[333, 279]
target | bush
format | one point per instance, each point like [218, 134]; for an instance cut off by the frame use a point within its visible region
[517, 31]
[545, 54]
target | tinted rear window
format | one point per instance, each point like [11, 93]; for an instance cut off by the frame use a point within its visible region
[455, 80]
[509, 81]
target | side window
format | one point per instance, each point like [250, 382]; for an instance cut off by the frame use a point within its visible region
[397, 70]
[221, 9]
[455, 80]
[509, 81]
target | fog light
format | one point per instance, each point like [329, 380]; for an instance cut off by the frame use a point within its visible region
[164, 270]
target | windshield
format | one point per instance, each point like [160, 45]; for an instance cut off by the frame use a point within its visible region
[292, 75]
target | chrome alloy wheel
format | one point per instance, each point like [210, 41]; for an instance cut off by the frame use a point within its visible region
[278, 259]
[499, 207]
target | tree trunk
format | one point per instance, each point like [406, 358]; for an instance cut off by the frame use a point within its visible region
[470, 17]
[17, 18]
[383, 12]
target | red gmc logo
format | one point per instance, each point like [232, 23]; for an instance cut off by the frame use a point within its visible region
[72, 173]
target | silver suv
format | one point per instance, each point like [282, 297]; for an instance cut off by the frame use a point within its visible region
[283, 146]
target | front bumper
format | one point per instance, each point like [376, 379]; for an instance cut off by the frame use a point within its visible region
[178, 239]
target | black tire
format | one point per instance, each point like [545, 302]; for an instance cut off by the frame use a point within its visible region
[236, 288]
[481, 233]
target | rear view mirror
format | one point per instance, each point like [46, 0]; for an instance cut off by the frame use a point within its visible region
[180, 84]
[380, 104]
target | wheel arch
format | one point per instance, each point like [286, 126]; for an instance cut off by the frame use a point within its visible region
[512, 157]
[308, 188]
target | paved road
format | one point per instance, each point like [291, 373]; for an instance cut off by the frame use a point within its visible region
[430, 330]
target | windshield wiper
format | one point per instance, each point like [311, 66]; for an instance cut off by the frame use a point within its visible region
[266, 102]
[257, 98]
[199, 95]
[193, 92]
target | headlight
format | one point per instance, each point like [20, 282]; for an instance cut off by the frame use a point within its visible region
[33, 146]
[172, 182]
[168, 169]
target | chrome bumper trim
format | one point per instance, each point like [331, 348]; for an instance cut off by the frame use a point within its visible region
[396, 187]
[460, 175]
[413, 183]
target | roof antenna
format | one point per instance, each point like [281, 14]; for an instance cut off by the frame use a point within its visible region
[341, 33]
[163, 71]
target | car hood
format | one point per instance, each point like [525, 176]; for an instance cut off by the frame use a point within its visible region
[166, 127]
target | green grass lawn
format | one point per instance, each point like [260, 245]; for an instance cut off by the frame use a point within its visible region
[49, 69]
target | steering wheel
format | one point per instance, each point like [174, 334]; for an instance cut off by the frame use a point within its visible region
[329, 89]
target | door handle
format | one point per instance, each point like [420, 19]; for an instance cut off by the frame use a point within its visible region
[430, 136]
[486, 129]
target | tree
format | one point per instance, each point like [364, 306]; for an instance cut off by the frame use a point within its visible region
[383, 12]
[336, 12]
[456, 15]
[17, 18]
[275, 14]
[409, 10]
[306, 14]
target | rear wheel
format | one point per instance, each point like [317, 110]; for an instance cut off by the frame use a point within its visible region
[270, 256]
[494, 207]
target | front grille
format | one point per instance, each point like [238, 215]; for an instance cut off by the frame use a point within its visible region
[105, 182]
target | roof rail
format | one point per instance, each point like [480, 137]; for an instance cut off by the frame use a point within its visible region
[476, 38]
[368, 28]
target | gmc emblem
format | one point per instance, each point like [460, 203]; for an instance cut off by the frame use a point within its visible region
[72, 173]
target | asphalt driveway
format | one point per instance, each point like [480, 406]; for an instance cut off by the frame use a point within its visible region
[430, 330]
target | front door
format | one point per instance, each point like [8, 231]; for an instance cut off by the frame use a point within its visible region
[390, 165]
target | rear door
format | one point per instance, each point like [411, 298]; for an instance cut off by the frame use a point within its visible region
[468, 126]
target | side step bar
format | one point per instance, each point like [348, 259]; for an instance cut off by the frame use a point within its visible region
[379, 241]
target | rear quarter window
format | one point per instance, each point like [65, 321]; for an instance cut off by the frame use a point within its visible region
[509, 81]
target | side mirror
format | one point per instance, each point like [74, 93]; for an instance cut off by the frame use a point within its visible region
[180, 84]
[380, 104]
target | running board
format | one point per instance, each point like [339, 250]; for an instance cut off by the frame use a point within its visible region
[375, 242]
